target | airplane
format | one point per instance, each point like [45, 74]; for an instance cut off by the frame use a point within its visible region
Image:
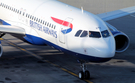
[74, 31]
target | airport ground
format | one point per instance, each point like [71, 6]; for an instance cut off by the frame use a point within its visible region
[25, 63]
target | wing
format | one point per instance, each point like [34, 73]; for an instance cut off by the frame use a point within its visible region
[117, 13]
[11, 29]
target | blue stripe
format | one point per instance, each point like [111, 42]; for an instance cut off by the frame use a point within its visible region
[4, 23]
[34, 40]
[115, 32]
[66, 31]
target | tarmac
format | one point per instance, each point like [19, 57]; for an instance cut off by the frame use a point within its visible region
[25, 63]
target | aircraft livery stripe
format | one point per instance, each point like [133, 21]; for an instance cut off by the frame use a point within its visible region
[62, 22]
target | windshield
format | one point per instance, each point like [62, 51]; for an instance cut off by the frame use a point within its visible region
[84, 34]
[78, 33]
[94, 34]
[105, 33]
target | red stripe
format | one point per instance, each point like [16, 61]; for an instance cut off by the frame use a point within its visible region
[62, 22]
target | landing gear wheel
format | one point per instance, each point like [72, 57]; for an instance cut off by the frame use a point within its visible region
[84, 74]
[87, 74]
[81, 75]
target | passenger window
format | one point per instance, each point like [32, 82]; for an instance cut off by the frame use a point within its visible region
[34, 18]
[10, 8]
[20, 12]
[39, 20]
[78, 33]
[54, 26]
[28, 15]
[5, 6]
[43, 22]
[84, 34]
[50, 25]
[23, 13]
[14, 9]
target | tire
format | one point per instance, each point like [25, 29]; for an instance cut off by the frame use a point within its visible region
[87, 74]
[81, 75]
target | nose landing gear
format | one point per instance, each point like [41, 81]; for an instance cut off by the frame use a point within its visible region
[84, 74]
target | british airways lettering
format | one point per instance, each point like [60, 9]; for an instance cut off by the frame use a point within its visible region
[50, 32]
[43, 29]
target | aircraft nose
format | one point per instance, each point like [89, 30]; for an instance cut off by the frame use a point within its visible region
[105, 48]
[107, 52]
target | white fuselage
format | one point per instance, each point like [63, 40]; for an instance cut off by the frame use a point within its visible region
[56, 24]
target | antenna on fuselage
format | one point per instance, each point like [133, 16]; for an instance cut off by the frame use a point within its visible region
[82, 9]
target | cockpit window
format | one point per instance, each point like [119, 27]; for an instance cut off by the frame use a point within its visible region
[78, 33]
[105, 33]
[84, 34]
[94, 34]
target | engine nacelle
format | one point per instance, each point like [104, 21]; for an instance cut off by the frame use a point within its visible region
[1, 49]
[122, 41]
